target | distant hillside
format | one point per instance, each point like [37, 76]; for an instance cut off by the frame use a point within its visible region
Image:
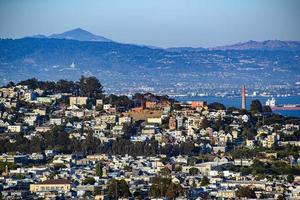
[179, 49]
[126, 67]
[269, 45]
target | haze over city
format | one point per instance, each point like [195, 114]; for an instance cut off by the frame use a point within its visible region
[195, 23]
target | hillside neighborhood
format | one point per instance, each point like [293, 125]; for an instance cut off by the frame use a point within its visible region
[71, 140]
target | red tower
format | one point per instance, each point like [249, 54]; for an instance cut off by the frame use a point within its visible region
[243, 97]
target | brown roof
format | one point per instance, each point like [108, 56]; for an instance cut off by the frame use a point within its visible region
[55, 182]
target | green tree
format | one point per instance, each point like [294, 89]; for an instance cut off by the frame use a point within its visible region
[164, 187]
[89, 181]
[165, 172]
[99, 169]
[204, 181]
[205, 123]
[32, 83]
[255, 106]
[216, 106]
[246, 192]
[64, 86]
[118, 189]
[280, 197]
[90, 86]
[193, 171]
[178, 168]
[266, 109]
[290, 178]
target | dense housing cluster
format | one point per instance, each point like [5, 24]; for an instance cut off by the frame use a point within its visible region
[69, 139]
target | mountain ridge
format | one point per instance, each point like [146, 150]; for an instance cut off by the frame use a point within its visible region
[78, 34]
[83, 35]
[261, 45]
[131, 66]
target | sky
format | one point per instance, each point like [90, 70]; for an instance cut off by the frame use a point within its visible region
[161, 23]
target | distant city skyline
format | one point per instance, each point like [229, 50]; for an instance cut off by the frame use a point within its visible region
[195, 23]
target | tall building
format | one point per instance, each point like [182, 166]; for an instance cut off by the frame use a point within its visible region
[243, 97]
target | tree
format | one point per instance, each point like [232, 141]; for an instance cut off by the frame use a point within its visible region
[193, 171]
[246, 192]
[89, 181]
[266, 109]
[174, 191]
[164, 187]
[90, 86]
[290, 178]
[99, 169]
[10, 84]
[138, 194]
[178, 168]
[280, 197]
[205, 123]
[216, 106]
[64, 86]
[256, 106]
[165, 172]
[31, 83]
[118, 189]
[204, 181]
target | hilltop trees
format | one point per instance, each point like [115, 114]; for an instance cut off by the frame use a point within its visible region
[216, 106]
[255, 106]
[65, 86]
[90, 86]
[86, 86]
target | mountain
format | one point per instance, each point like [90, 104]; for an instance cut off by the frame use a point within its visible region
[269, 45]
[129, 68]
[76, 34]
[80, 35]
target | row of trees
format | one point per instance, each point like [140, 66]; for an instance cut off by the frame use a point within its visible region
[85, 86]
[58, 139]
[160, 187]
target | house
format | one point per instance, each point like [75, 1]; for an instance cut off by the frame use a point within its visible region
[40, 111]
[172, 123]
[17, 128]
[269, 140]
[179, 120]
[99, 102]
[195, 104]
[107, 106]
[29, 96]
[250, 143]
[154, 120]
[226, 194]
[78, 101]
[42, 129]
[56, 121]
[124, 120]
[61, 185]
[44, 100]
[118, 130]
[16, 159]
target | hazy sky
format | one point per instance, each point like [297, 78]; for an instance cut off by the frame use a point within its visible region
[163, 23]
